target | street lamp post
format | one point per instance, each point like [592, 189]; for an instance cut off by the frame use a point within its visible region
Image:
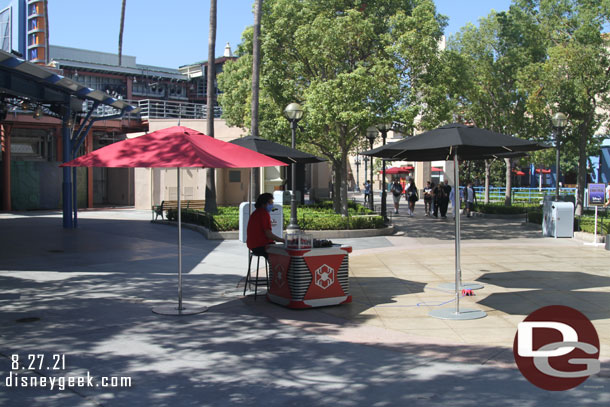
[371, 133]
[559, 122]
[357, 163]
[294, 113]
[384, 128]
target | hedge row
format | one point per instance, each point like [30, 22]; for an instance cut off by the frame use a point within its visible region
[311, 217]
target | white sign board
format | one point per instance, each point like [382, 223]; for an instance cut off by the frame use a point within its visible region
[277, 220]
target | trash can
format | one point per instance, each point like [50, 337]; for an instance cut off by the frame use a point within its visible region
[558, 219]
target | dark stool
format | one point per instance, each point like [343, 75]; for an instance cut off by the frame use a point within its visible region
[257, 280]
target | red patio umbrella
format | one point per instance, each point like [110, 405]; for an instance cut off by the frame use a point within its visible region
[544, 171]
[399, 170]
[174, 147]
[436, 169]
[519, 173]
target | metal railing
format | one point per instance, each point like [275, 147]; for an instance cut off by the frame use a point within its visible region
[519, 194]
[168, 109]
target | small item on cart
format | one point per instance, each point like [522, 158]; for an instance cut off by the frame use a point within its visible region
[299, 240]
[317, 243]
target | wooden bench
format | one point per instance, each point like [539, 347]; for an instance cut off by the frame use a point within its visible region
[184, 204]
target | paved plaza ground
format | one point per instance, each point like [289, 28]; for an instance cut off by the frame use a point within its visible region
[88, 293]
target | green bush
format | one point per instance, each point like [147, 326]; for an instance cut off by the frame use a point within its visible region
[310, 217]
[500, 209]
[535, 216]
[587, 224]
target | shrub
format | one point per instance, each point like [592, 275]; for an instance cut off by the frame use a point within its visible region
[499, 209]
[314, 217]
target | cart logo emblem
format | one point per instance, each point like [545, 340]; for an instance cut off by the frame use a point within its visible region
[325, 276]
[279, 275]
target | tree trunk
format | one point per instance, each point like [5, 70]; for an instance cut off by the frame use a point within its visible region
[487, 176]
[343, 196]
[509, 185]
[256, 63]
[121, 31]
[210, 187]
[582, 168]
[336, 187]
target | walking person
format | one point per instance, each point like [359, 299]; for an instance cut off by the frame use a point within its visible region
[444, 204]
[412, 196]
[434, 194]
[427, 198]
[471, 199]
[607, 196]
[367, 191]
[396, 189]
[442, 198]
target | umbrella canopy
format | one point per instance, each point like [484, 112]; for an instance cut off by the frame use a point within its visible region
[278, 151]
[436, 169]
[399, 170]
[544, 171]
[442, 143]
[455, 141]
[173, 147]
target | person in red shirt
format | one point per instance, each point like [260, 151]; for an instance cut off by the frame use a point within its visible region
[259, 226]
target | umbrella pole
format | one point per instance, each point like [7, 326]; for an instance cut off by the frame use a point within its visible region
[178, 192]
[459, 285]
[458, 202]
[180, 310]
[448, 313]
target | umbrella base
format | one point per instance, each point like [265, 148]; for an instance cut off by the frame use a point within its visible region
[173, 310]
[463, 286]
[463, 315]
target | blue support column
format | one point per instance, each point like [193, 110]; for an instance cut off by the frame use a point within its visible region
[67, 179]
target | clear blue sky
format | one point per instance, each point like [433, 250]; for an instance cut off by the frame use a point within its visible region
[175, 33]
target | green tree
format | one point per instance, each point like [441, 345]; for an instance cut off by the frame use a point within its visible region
[492, 56]
[350, 63]
[574, 78]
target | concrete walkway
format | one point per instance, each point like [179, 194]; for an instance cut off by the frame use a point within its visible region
[88, 294]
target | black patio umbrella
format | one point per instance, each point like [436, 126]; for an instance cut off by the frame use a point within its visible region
[275, 150]
[455, 141]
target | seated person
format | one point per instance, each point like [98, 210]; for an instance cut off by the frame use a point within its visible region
[259, 226]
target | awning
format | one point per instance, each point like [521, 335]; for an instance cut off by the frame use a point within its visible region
[24, 79]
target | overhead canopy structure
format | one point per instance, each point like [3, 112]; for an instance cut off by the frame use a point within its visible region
[22, 79]
[62, 98]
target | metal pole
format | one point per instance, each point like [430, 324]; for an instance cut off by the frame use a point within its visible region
[180, 308]
[458, 270]
[74, 196]
[558, 142]
[371, 195]
[384, 209]
[67, 179]
[293, 197]
[357, 174]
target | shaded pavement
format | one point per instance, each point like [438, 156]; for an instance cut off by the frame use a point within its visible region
[88, 294]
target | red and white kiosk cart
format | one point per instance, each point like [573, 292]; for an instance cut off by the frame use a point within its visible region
[302, 276]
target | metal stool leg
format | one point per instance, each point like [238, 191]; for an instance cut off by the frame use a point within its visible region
[248, 274]
[258, 259]
[267, 272]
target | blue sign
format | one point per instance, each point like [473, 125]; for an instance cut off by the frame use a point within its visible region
[597, 194]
